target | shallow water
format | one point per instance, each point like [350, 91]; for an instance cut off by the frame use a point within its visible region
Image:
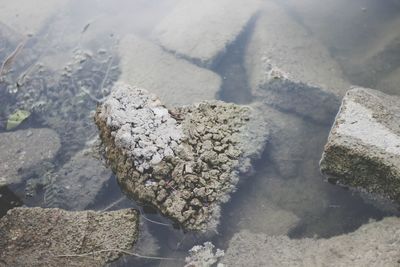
[70, 61]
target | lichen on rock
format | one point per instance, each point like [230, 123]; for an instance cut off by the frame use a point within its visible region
[184, 161]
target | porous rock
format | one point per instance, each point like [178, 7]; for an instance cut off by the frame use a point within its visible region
[176, 81]
[201, 31]
[289, 69]
[203, 255]
[51, 237]
[373, 244]
[23, 151]
[184, 161]
[364, 145]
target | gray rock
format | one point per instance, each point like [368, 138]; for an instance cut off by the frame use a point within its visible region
[51, 237]
[29, 17]
[174, 80]
[184, 161]
[364, 144]
[76, 184]
[289, 69]
[23, 151]
[374, 244]
[390, 83]
[202, 30]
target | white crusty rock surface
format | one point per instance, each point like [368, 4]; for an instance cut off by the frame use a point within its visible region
[289, 69]
[23, 151]
[176, 81]
[51, 237]
[184, 161]
[201, 30]
[373, 244]
[363, 148]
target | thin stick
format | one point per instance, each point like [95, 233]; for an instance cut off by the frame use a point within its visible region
[155, 222]
[106, 75]
[114, 203]
[8, 61]
[120, 251]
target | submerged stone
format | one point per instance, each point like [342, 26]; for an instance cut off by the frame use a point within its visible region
[24, 151]
[54, 237]
[364, 144]
[176, 81]
[374, 244]
[184, 161]
[77, 183]
[201, 31]
[289, 69]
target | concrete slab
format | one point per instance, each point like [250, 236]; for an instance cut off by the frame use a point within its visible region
[289, 69]
[201, 30]
[364, 144]
[175, 81]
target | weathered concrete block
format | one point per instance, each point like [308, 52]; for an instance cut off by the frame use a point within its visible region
[175, 81]
[374, 244]
[201, 30]
[184, 161]
[54, 237]
[364, 144]
[289, 69]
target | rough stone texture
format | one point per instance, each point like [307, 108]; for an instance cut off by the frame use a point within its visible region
[364, 144]
[76, 185]
[184, 161]
[203, 256]
[24, 150]
[174, 80]
[374, 244]
[202, 30]
[289, 69]
[38, 237]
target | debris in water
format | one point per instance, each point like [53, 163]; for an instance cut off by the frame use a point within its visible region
[17, 118]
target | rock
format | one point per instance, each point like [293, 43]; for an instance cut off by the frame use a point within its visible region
[176, 81]
[294, 141]
[390, 83]
[184, 161]
[378, 59]
[373, 244]
[51, 237]
[23, 151]
[364, 144]
[29, 17]
[76, 184]
[289, 69]
[201, 31]
[203, 256]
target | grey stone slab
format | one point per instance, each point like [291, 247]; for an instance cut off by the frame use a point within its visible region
[373, 244]
[364, 144]
[77, 183]
[175, 81]
[25, 150]
[289, 69]
[201, 30]
[185, 161]
[54, 237]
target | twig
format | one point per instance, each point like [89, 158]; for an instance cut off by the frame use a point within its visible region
[120, 251]
[106, 75]
[8, 61]
[114, 203]
[155, 222]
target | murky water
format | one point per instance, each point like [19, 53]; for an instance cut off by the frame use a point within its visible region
[70, 60]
